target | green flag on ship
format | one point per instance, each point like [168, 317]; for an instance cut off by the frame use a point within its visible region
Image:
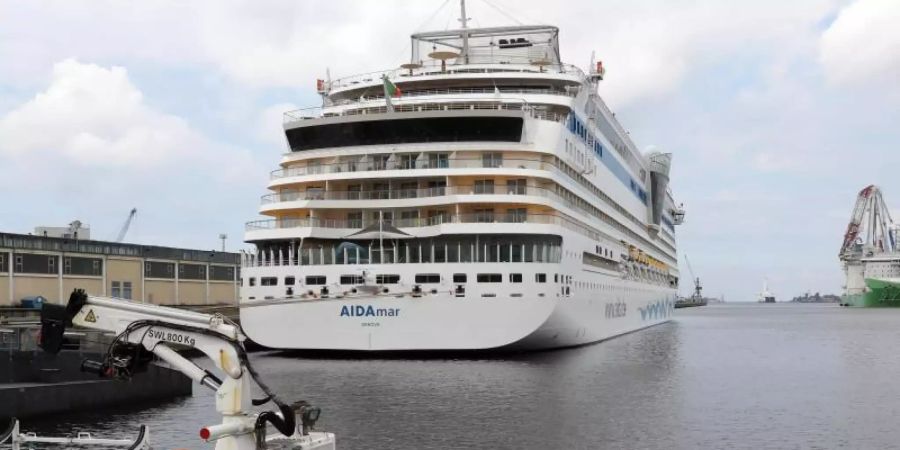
[390, 90]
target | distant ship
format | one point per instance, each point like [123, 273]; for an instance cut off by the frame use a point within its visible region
[869, 254]
[765, 296]
[480, 196]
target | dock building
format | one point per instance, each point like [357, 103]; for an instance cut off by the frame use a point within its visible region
[52, 267]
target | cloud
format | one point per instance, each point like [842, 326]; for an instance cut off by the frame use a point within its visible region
[269, 126]
[92, 115]
[863, 43]
[89, 146]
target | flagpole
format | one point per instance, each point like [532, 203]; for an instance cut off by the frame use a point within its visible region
[381, 235]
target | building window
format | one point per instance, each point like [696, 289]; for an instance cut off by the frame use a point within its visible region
[437, 217]
[3, 263]
[484, 215]
[489, 278]
[315, 280]
[351, 279]
[438, 160]
[515, 187]
[492, 160]
[268, 281]
[430, 278]
[353, 191]
[409, 189]
[116, 289]
[289, 281]
[354, 219]
[19, 265]
[484, 186]
[51, 265]
[126, 290]
[459, 278]
[515, 278]
[408, 161]
[387, 279]
[516, 215]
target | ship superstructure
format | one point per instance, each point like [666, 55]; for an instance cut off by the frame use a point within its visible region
[869, 253]
[480, 196]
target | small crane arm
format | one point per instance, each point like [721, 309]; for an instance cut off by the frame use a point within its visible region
[142, 330]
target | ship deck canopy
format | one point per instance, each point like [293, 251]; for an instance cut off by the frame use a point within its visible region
[535, 44]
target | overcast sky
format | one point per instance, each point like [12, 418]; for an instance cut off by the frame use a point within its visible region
[777, 112]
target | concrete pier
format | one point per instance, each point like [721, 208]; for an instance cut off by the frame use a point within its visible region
[34, 384]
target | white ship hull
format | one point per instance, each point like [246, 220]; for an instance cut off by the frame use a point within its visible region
[542, 318]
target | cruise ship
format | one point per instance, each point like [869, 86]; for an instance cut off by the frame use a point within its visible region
[480, 197]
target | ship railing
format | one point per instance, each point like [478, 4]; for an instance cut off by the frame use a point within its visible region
[445, 163]
[418, 222]
[441, 219]
[399, 194]
[432, 68]
[425, 104]
[453, 91]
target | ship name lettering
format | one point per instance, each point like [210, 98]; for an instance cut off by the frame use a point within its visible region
[368, 311]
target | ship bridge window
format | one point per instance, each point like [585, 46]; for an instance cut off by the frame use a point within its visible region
[268, 281]
[400, 131]
[289, 281]
[515, 278]
[540, 277]
[428, 278]
[459, 278]
[252, 281]
[314, 280]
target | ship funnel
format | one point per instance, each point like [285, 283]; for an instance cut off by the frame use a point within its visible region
[659, 182]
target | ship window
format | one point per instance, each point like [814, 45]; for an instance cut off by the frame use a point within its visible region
[387, 279]
[540, 277]
[351, 279]
[399, 131]
[490, 278]
[556, 278]
[515, 278]
[459, 278]
[289, 281]
[268, 281]
[314, 280]
[492, 160]
[428, 278]
[252, 281]
[484, 186]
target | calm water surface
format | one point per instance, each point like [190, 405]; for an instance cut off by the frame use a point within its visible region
[749, 376]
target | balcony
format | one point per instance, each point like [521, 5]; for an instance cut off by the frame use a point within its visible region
[397, 194]
[449, 163]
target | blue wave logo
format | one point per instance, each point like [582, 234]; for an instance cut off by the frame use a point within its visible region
[657, 310]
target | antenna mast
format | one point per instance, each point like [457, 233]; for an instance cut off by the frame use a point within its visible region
[465, 34]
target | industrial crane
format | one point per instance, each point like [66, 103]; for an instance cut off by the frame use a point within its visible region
[145, 330]
[871, 227]
[126, 225]
[697, 288]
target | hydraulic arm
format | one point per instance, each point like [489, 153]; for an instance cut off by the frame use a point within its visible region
[145, 330]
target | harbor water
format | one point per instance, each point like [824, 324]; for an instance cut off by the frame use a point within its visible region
[755, 376]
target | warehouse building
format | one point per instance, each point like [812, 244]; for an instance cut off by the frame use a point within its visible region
[51, 267]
